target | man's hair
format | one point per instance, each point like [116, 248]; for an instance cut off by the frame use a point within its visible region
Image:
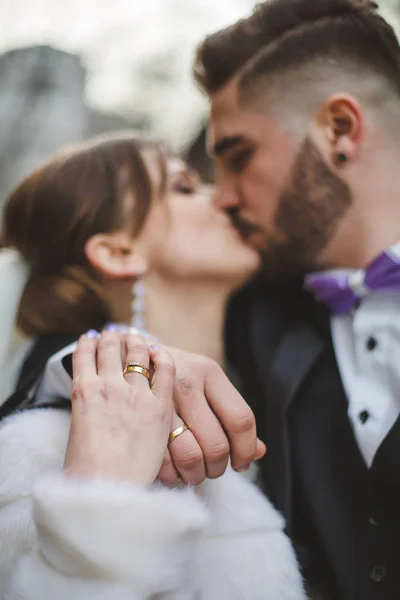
[300, 30]
[324, 45]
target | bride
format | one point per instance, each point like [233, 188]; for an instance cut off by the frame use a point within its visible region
[117, 231]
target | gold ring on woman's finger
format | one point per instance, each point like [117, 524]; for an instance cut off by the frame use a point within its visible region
[136, 367]
[177, 431]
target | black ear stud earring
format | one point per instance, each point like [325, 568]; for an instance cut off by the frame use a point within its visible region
[341, 158]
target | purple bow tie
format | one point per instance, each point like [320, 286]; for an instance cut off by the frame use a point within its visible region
[341, 291]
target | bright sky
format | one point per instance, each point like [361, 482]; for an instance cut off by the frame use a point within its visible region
[119, 40]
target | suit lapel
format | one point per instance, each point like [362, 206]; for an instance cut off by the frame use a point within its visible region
[385, 468]
[292, 359]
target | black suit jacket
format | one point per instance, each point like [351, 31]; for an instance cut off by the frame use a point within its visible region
[279, 341]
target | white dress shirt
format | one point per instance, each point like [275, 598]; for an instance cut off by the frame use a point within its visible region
[367, 348]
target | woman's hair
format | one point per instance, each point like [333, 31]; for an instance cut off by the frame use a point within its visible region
[48, 218]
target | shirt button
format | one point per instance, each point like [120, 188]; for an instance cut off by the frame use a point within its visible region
[375, 520]
[378, 573]
[364, 416]
[371, 343]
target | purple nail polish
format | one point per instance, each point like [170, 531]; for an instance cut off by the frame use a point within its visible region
[242, 468]
[154, 346]
[112, 328]
[92, 334]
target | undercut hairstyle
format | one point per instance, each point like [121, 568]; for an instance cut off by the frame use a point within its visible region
[305, 49]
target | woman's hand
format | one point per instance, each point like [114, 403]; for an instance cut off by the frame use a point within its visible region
[120, 424]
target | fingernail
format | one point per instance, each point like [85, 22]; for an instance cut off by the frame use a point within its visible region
[92, 334]
[112, 328]
[242, 468]
[154, 347]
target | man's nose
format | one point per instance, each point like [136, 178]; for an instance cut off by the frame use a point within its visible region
[225, 197]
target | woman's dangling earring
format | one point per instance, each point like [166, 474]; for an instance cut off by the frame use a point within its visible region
[138, 320]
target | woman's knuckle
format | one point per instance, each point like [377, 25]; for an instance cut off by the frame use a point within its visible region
[85, 387]
[77, 390]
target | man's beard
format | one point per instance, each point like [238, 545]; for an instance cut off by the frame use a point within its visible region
[309, 211]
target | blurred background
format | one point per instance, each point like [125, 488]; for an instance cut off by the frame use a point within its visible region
[72, 69]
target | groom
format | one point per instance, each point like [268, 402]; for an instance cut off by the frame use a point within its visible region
[305, 132]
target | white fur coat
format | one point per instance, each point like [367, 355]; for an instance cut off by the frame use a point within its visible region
[68, 539]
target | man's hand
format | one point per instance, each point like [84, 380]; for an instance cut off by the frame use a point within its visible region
[221, 423]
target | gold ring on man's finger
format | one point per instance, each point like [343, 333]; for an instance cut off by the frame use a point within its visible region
[177, 431]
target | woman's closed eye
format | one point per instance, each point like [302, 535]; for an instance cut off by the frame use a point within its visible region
[184, 188]
[185, 183]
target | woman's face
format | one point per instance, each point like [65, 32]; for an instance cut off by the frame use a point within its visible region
[200, 242]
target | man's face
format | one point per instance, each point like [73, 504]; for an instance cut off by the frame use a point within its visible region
[280, 194]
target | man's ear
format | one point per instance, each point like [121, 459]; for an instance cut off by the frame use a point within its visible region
[114, 256]
[340, 123]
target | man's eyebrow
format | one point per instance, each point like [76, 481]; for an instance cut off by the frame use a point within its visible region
[225, 144]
